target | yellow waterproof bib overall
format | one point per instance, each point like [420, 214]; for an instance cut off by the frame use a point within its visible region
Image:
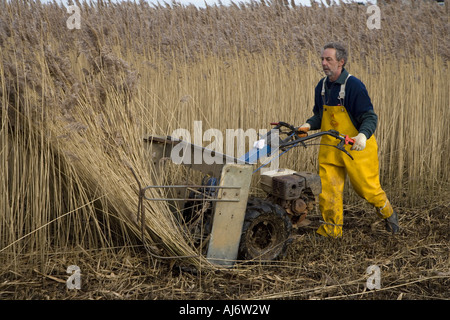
[334, 164]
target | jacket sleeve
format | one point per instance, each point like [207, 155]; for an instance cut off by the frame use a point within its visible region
[369, 121]
[361, 109]
[316, 120]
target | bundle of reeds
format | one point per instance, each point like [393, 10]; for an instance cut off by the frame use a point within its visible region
[71, 131]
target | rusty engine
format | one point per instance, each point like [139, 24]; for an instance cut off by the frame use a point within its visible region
[295, 192]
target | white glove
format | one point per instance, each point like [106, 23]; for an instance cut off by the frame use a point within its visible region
[360, 142]
[304, 127]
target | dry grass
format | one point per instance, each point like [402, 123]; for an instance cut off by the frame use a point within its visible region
[76, 104]
[413, 266]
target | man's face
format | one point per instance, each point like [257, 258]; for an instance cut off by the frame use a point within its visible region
[330, 65]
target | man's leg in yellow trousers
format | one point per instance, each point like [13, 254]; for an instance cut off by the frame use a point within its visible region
[363, 173]
[331, 199]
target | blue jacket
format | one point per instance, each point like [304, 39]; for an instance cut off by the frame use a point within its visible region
[357, 102]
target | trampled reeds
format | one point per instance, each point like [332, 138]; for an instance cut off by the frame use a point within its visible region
[76, 104]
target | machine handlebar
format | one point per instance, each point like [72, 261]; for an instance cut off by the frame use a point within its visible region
[293, 138]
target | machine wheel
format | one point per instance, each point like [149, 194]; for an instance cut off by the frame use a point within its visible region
[266, 231]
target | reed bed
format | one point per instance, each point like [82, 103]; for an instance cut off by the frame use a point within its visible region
[77, 103]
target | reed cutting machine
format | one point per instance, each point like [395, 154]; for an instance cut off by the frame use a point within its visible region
[227, 223]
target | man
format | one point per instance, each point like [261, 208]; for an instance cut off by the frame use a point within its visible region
[342, 103]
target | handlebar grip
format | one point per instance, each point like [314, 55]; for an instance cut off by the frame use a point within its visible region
[349, 140]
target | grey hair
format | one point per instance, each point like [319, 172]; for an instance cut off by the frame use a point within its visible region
[341, 51]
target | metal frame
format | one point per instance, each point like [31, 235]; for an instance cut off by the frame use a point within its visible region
[235, 178]
[229, 203]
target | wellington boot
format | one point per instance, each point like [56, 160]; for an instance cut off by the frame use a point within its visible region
[392, 223]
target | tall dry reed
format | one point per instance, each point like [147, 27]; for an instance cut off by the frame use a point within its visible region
[76, 104]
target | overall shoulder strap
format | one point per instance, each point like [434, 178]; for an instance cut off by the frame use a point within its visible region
[323, 90]
[342, 92]
[323, 86]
